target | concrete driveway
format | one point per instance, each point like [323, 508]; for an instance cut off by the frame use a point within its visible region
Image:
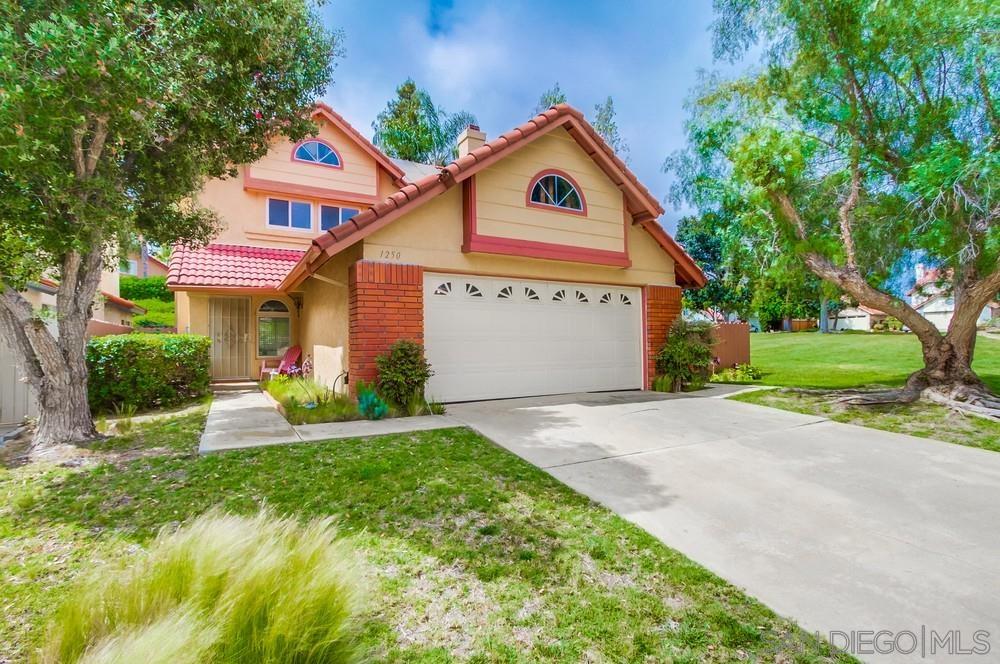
[841, 528]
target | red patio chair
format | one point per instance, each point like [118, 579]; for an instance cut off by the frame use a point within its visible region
[288, 360]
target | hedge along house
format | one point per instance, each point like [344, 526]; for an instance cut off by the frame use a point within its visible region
[532, 264]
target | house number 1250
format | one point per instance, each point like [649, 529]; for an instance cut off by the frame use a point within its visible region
[391, 254]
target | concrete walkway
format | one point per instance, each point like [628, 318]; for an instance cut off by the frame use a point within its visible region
[238, 420]
[835, 526]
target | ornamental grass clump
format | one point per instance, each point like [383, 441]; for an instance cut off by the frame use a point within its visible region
[221, 589]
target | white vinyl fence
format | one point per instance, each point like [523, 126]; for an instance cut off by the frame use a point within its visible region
[16, 399]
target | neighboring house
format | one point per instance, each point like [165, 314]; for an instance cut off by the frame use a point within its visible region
[532, 264]
[141, 264]
[108, 308]
[856, 318]
[931, 296]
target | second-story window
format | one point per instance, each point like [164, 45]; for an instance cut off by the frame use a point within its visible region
[331, 215]
[317, 152]
[556, 190]
[289, 214]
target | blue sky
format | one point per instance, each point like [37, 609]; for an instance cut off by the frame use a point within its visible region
[495, 59]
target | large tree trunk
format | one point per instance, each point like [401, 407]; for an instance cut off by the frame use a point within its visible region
[947, 376]
[64, 412]
[55, 364]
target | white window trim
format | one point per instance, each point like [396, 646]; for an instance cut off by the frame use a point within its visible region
[289, 227]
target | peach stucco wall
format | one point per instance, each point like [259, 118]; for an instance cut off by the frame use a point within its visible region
[323, 328]
[244, 212]
[432, 236]
[358, 174]
[501, 191]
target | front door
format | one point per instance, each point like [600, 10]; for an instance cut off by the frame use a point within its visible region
[229, 326]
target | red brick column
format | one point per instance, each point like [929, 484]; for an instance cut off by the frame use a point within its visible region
[386, 304]
[663, 306]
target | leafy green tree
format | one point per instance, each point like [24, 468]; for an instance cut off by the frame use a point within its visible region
[728, 291]
[412, 127]
[112, 115]
[549, 98]
[607, 127]
[870, 131]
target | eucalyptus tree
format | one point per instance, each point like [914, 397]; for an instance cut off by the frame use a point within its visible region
[112, 115]
[549, 98]
[412, 127]
[607, 126]
[868, 132]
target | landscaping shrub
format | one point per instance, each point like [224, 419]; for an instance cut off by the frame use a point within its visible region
[221, 589]
[150, 288]
[741, 373]
[402, 373]
[888, 324]
[370, 405]
[307, 402]
[686, 357]
[147, 370]
[158, 314]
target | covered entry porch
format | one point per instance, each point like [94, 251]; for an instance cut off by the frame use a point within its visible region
[247, 330]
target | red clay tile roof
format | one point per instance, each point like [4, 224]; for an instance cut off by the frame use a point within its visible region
[230, 266]
[642, 203]
[122, 303]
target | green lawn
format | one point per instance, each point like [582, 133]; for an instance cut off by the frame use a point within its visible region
[470, 554]
[836, 361]
[926, 420]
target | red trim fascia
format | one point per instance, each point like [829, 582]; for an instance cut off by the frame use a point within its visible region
[684, 265]
[263, 185]
[340, 160]
[610, 168]
[645, 344]
[469, 213]
[555, 208]
[489, 244]
[251, 290]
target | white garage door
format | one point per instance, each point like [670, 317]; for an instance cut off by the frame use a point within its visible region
[492, 338]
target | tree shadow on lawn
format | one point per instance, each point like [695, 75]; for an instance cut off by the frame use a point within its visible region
[443, 518]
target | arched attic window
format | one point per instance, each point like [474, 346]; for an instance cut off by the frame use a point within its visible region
[556, 190]
[315, 151]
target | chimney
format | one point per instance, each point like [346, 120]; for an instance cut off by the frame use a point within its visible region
[919, 271]
[470, 139]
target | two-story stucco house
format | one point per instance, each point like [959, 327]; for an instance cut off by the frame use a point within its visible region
[532, 264]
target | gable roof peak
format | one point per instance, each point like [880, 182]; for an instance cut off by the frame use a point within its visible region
[336, 119]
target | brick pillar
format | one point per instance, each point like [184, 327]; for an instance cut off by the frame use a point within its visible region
[386, 304]
[663, 306]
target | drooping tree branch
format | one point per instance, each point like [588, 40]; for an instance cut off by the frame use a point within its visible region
[850, 280]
